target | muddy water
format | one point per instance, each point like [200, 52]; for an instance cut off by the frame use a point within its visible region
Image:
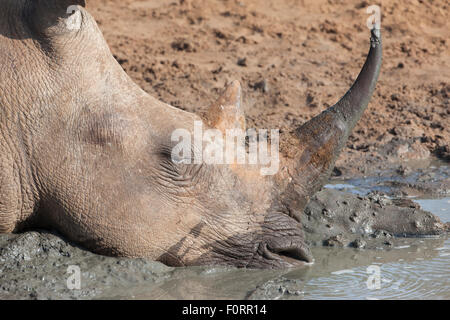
[416, 269]
[416, 178]
[413, 269]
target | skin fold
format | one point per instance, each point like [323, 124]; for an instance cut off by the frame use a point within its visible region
[86, 152]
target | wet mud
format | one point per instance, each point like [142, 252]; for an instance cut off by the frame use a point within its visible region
[39, 264]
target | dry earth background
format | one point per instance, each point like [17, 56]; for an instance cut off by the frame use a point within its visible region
[295, 58]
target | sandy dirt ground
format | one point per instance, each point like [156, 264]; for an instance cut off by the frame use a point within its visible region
[295, 58]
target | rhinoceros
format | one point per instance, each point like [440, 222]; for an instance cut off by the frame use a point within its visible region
[86, 152]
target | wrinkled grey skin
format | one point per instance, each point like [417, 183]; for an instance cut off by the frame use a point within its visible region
[85, 151]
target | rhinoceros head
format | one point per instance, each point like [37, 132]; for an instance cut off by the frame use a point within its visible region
[86, 152]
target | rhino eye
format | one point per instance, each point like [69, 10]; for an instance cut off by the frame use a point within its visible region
[177, 171]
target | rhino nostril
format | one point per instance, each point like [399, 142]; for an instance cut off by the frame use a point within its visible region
[297, 253]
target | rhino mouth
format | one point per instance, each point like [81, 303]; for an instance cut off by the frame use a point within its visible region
[283, 240]
[291, 254]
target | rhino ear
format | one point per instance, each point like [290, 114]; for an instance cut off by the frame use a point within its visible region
[56, 15]
[226, 112]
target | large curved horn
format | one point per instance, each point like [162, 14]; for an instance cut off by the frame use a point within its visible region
[356, 100]
[319, 141]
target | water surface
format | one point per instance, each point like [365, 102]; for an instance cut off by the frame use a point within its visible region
[413, 269]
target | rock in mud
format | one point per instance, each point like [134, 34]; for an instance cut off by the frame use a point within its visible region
[338, 219]
[335, 241]
[358, 244]
[276, 289]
